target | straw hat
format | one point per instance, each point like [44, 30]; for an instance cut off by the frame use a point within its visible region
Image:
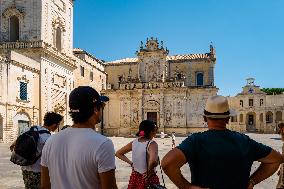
[218, 107]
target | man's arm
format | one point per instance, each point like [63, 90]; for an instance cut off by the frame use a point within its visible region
[13, 146]
[268, 166]
[108, 179]
[171, 164]
[44, 178]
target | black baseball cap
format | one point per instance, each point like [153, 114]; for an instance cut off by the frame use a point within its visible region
[85, 97]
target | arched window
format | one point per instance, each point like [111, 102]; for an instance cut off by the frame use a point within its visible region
[199, 79]
[241, 118]
[261, 117]
[278, 116]
[58, 39]
[14, 29]
[269, 117]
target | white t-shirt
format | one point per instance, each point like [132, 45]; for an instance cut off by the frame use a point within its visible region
[41, 141]
[76, 156]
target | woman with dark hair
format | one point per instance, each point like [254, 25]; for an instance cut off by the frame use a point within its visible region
[143, 168]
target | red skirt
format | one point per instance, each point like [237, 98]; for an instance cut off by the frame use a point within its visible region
[137, 181]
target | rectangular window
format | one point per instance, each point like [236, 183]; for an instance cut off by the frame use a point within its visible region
[82, 71]
[91, 76]
[199, 78]
[23, 91]
[261, 102]
[250, 102]
[241, 103]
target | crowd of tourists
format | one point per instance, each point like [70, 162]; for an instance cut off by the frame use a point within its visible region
[78, 157]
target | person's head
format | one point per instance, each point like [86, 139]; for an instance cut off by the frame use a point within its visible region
[216, 112]
[281, 130]
[147, 129]
[52, 120]
[86, 105]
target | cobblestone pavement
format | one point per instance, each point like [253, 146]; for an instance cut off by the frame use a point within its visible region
[11, 178]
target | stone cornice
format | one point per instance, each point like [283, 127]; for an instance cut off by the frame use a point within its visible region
[19, 106]
[69, 61]
[93, 66]
[25, 66]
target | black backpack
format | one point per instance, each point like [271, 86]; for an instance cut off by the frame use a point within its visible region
[25, 151]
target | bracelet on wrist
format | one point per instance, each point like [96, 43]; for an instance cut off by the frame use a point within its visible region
[252, 182]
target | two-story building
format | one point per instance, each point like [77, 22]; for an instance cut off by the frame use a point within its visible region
[256, 111]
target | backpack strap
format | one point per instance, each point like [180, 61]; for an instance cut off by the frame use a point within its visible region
[44, 131]
[34, 128]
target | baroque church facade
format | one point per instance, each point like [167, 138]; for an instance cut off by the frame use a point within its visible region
[170, 90]
[38, 65]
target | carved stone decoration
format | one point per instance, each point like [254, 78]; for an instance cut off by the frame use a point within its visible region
[23, 79]
[59, 81]
[135, 112]
[13, 11]
[168, 110]
[125, 115]
[7, 14]
[58, 99]
[58, 22]
[151, 105]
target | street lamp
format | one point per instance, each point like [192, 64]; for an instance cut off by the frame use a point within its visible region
[102, 121]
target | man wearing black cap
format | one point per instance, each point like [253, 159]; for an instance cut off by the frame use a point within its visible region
[78, 157]
[220, 158]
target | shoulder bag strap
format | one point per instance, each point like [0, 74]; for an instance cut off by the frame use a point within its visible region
[161, 172]
[147, 157]
[158, 162]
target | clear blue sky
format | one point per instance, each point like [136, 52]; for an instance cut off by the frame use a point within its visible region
[248, 34]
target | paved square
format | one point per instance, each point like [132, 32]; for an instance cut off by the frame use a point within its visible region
[11, 178]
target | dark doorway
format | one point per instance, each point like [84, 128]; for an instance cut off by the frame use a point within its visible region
[23, 126]
[250, 120]
[152, 116]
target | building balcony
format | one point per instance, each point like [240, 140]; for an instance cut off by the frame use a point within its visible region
[49, 49]
[21, 45]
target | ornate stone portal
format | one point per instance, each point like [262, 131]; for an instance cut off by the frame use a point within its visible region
[170, 90]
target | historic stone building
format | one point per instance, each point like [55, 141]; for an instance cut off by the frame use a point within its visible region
[90, 70]
[256, 111]
[38, 67]
[171, 90]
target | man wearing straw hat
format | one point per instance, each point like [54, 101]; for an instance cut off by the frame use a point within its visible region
[220, 158]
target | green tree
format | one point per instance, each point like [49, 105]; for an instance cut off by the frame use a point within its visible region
[271, 91]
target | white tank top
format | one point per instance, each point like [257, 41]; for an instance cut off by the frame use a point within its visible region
[139, 155]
